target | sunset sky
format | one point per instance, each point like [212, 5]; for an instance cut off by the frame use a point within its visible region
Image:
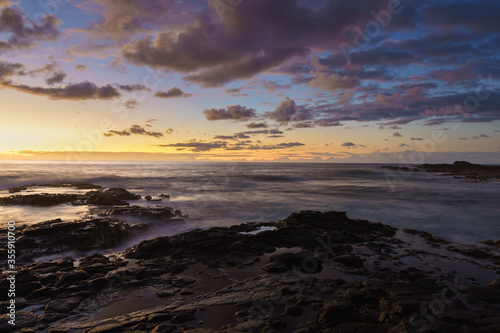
[303, 80]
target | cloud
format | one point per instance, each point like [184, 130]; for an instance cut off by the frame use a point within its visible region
[256, 125]
[10, 69]
[131, 104]
[22, 32]
[352, 145]
[198, 146]
[251, 40]
[288, 111]
[78, 91]
[453, 76]
[233, 112]
[303, 125]
[57, 77]
[333, 82]
[171, 93]
[80, 68]
[416, 139]
[480, 136]
[124, 18]
[275, 147]
[397, 135]
[134, 130]
[463, 139]
[133, 87]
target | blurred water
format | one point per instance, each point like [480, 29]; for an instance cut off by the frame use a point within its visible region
[228, 193]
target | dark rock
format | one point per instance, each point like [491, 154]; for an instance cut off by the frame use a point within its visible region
[51, 316]
[335, 313]
[45, 199]
[23, 290]
[92, 268]
[293, 310]
[485, 293]
[427, 236]
[66, 262]
[23, 320]
[110, 197]
[44, 293]
[350, 261]
[64, 305]
[70, 278]
[182, 318]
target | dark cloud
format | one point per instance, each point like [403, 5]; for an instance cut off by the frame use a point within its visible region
[80, 68]
[233, 112]
[416, 139]
[10, 69]
[198, 146]
[288, 111]
[251, 40]
[303, 125]
[171, 93]
[352, 145]
[131, 104]
[124, 18]
[22, 32]
[397, 135]
[463, 139]
[57, 77]
[78, 91]
[403, 145]
[134, 130]
[133, 87]
[256, 125]
[275, 147]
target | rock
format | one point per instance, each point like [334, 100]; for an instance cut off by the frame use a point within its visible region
[182, 318]
[45, 199]
[17, 189]
[23, 320]
[335, 313]
[51, 316]
[64, 305]
[163, 328]
[97, 284]
[44, 293]
[356, 296]
[427, 236]
[110, 197]
[92, 268]
[485, 293]
[495, 283]
[66, 262]
[23, 290]
[349, 261]
[70, 278]
[293, 310]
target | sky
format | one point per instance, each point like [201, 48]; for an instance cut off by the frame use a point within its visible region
[381, 81]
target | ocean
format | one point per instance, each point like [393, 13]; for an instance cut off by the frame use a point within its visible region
[223, 194]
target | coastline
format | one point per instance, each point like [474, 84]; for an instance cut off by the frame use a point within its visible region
[309, 272]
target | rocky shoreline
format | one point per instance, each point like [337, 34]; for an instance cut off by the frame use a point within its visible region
[459, 169]
[310, 272]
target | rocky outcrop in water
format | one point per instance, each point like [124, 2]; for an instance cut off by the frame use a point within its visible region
[97, 197]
